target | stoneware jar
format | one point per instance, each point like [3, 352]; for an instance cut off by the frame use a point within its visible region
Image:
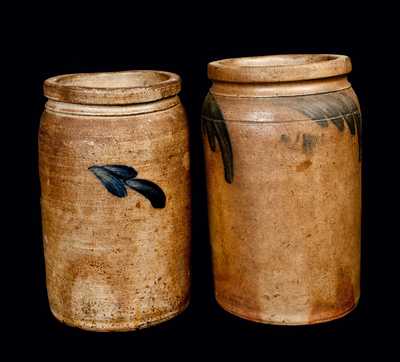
[115, 197]
[282, 149]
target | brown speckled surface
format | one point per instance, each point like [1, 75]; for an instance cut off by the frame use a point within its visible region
[115, 264]
[285, 233]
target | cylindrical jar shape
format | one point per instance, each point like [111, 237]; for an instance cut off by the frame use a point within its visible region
[115, 198]
[283, 160]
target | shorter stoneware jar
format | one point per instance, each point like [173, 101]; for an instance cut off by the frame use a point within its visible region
[115, 184]
[282, 149]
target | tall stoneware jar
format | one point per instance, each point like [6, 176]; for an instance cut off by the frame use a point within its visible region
[282, 149]
[115, 197]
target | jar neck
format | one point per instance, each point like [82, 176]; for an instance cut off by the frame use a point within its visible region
[280, 89]
[111, 110]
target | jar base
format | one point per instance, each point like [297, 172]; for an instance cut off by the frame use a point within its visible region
[240, 314]
[118, 327]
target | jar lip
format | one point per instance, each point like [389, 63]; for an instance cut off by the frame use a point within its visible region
[113, 88]
[279, 68]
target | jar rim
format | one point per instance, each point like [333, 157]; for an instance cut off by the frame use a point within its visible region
[279, 68]
[112, 88]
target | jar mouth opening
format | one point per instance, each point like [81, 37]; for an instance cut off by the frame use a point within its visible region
[128, 87]
[279, 68]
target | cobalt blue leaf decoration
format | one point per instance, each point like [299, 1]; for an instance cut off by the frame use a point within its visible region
[213, 125]
[121, 171]
[115, 178]
[112, 183]
[149, 190]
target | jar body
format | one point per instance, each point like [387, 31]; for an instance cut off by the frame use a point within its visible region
[115, 261]
[284, 203]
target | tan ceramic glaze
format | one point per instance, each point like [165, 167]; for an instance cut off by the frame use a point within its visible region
[283, 158]
[114, 171]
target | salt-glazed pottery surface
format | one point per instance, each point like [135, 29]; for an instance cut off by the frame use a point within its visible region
[282, 149]
[114, 172]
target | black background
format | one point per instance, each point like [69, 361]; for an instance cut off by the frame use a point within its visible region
[185, 43]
